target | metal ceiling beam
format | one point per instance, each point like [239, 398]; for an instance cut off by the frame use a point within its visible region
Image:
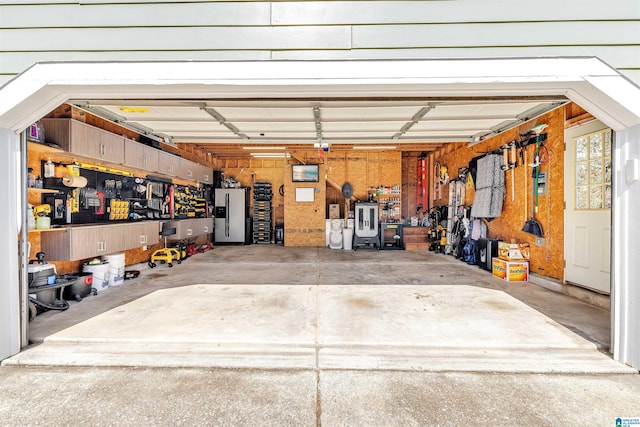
[123, 122]
[327, 101]
[415, 119]
[318, 123]
[525, 116]
[213, 113]
[337, 140]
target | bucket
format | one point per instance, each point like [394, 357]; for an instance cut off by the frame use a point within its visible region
[335, 240]
[328, 232]
[43, 223]
[100, 275]
[347, 239]
[116, 268]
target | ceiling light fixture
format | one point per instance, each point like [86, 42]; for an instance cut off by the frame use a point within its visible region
[270, 155]
[265, 148]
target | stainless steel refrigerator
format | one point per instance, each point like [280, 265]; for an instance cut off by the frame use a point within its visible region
[231, 209]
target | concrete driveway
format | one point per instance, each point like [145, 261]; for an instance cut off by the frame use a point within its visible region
[304, 336]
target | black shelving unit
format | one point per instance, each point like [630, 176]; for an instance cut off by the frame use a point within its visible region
[262, 195]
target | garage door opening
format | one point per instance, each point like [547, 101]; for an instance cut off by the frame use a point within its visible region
[234, 82]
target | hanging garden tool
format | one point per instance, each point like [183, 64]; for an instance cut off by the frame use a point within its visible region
[509, 163]
[437, 191]
[538, 130]
[531, 225]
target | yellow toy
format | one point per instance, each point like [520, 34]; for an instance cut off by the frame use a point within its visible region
[166, 255]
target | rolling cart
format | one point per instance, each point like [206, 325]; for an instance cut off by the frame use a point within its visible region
[166, 255]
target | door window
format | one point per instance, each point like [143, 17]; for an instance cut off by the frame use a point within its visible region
[593, 171]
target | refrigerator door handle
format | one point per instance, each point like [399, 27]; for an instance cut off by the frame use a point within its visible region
[226, 223]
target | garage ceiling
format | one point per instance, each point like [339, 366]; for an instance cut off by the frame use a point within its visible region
[263, 127]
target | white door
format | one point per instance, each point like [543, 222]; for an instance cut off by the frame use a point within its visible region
[587, 220]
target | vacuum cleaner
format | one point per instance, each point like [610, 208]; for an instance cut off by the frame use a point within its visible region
[46, 288]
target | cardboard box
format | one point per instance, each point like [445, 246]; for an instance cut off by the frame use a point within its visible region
[510, 271]
[334, 211]
[513, 251]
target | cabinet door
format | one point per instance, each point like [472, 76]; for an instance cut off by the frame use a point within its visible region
[141, 234]
[150, 158]
[140, 156]
[133, 154]
[168, 164]
[204, 226]
[188, 228]
[183, 228]
[57, 246]
[112, 147]
[152, 231]
[87, 242]
[86, 141]
[89, 141]
[205, 174]
[187, 169]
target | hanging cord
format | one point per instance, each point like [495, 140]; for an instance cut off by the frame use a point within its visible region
[546, 246]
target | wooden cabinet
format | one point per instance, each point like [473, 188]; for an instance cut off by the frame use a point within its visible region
[189, 228]
[187, 169]
[85, 140]
[168, 164]
[204, 174]
[82, 242]
[140, 156]
[184, 229]
[88, 141]
[195, 172]
[142, 234]
[202, 226]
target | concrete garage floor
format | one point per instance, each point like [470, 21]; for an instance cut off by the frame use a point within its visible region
[267, 335]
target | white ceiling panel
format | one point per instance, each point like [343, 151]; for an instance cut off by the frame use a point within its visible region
[455, 124]
[137, 112]
[473, 110]
[293, 121]
[399, 113]
[275, 126]
[364, 134]
[213, 135]
[467, 133]
[263, 114]
[285, 138]
[281, 134]
[177, 126]
[382, 126]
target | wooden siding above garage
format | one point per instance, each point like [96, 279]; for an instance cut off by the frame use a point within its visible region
[111, 30]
